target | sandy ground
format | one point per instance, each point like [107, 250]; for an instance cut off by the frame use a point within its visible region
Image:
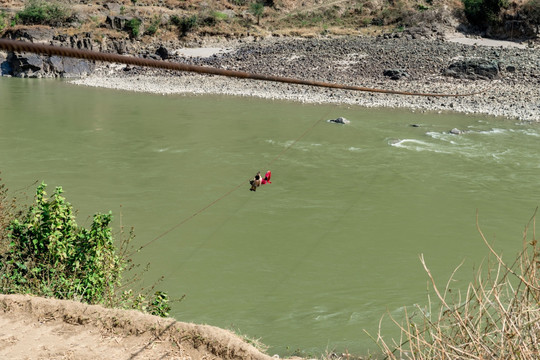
[38, 328]
[457, 38]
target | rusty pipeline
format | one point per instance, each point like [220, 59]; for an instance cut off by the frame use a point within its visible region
[22, 46]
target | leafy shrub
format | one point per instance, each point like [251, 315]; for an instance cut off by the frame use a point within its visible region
[3, 20]
[154, 26]
[532, 11]
[50, 255]
[257, 9]
[219, 16]
[45, 253]
[185, 24]
[209, 20]
[7, 215]
[160, 304]
[483, 12]
[43, 13]
[133, 26]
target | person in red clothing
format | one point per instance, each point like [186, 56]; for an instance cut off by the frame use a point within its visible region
[258, 180]
[267, 177]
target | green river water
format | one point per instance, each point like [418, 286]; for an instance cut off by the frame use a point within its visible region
[309, 261]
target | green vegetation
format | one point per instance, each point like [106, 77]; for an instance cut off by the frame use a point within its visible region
[185, 24]
[497, 318]
[44, 252]
[483, 12]
[532, 11]
[219, 16]
[133, 26]
[154, 26]
[3, 20]
[257, 9]
[43, 13]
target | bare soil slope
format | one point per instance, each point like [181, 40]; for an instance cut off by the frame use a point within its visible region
[39, 328]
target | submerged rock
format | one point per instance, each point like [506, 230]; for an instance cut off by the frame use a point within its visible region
[339, 120]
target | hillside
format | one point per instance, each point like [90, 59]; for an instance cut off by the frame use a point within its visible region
[190, 20]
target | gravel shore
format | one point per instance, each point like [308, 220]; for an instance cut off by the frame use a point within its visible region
[360, 61]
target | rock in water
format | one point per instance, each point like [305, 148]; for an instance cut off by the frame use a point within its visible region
[339, 120]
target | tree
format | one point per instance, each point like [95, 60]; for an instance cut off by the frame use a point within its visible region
[257, 9]
[532, 12]
[483, 12]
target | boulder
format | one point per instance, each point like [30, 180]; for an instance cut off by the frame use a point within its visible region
[339, 120]
[456, 131]
[162, 52]
[37, 34]
[120, 47]
[113, 7]
[5, 67]
[37, 66]
[473, 69]
[70, 67]
[395, 74]
[25, 65]
[117, 22]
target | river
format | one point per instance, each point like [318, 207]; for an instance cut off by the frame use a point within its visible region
[305, 263]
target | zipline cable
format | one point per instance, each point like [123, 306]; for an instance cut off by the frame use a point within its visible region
[230, 191]
[22, 46]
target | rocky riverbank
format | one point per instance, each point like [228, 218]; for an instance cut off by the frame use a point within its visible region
[505, 79]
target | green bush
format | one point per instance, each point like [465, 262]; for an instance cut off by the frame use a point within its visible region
[185, 24]
[43, 13]
[483, 12]
[45, 253]
[3, 20]
[257, 9]
[220, 16]
[50, 255]
[154, 26]
[532, 11]
[133, 26]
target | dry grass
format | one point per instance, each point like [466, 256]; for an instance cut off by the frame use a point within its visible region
[497, 318]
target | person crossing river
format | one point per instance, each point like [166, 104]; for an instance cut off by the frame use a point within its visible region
[258, 180]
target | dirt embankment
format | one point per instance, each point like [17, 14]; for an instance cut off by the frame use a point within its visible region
[38, 328]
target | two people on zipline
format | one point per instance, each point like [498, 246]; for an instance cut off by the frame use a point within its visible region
[258, 180]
